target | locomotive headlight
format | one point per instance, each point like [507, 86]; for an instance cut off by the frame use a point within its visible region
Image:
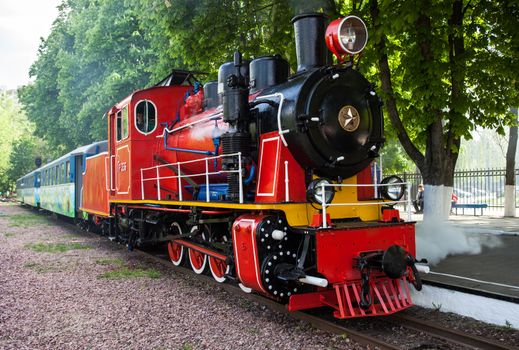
[394, 190]
[349, 37]
[314, 192]
[346, 36]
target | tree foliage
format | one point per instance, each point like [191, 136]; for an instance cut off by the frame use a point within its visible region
[95, 55]
[200, 35]
[445, 66]
[16, 130]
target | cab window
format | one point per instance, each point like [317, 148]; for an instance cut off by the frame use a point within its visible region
[122, 124]
[145, 116]
[119, 121]
[125, 122]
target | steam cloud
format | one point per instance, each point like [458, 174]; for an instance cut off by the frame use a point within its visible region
[202, 133]
[435, 241]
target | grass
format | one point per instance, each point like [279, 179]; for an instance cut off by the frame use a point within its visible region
[9, 234]
[125, 272]
[27, 220]
[246, 304]
[254, 331]
[108, 261]
[437, 307]
[508, 326]
[41, 247]
[187, 346]
[40, 268]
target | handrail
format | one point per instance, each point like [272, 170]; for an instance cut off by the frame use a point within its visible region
[324, 205]
[281, 97]
[194, 160]
[157, 178]
[212, 116]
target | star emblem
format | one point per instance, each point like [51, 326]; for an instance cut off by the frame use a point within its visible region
[349, 118]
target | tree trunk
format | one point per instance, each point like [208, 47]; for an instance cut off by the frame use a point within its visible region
[442, 145]
[437, 204]
[510, 193]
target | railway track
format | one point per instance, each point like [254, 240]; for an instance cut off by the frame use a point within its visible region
[450, 336]
[315, 321]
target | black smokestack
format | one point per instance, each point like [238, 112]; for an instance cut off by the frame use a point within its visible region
[309, 29]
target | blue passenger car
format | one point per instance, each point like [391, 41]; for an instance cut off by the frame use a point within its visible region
[61, 180]
[27, 188]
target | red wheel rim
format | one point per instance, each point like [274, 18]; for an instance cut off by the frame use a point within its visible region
[176, 252]
[218, 269]
[198, 261]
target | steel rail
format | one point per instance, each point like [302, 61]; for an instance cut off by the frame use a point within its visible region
[448, 334]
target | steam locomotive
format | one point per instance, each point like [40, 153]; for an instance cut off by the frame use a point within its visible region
[264, 178]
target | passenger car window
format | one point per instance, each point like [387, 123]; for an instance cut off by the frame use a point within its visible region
[145, 116]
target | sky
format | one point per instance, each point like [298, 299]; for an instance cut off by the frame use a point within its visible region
[22, 23]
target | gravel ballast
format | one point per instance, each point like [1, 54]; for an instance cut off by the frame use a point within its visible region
[60, 300]
[61, 288]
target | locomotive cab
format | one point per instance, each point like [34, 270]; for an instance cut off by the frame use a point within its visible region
[136, 126]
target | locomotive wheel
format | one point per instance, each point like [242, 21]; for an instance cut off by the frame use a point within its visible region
[176, 251]
[196, 259]
[218, 269]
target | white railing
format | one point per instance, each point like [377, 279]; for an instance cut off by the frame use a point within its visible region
[376, 187]
[179, 176]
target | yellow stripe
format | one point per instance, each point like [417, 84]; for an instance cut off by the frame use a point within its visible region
[94, 212]
[297, 214]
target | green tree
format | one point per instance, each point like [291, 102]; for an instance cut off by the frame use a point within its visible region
[95, 55]
[201, 35]
[14, 126]
[394, 160]
[445, 67]
[22, 158]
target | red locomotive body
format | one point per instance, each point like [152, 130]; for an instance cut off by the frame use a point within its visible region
[266, 179]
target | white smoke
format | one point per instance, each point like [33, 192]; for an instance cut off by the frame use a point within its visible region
[201, 133]
[437, 240]
[206, 131]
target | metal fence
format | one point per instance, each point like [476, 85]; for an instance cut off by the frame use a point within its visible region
[481, 186]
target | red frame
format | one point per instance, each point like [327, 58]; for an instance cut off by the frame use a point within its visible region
[336, 249]
[270, 184]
